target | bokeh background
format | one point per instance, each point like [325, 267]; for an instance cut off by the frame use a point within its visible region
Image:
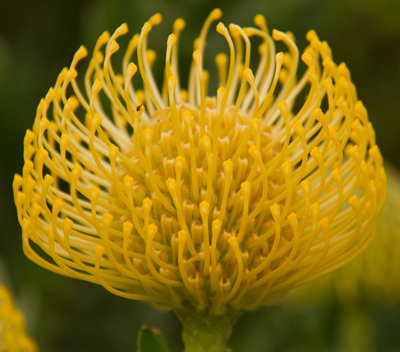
[39, 38]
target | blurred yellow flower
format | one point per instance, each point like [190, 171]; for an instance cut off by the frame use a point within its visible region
[216, 203]
[13, 336]
[373, 279]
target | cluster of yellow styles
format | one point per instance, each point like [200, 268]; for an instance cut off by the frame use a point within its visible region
[196, 202]
[13, 337]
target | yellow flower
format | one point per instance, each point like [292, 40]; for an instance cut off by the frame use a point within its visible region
[13, 335]
[373, 279]
[215, 202]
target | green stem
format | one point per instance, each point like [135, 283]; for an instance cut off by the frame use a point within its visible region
[204, 333]
[356, 331]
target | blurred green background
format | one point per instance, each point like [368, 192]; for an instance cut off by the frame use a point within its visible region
[39, 38]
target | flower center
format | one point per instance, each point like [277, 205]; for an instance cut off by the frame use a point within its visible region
[220, 194]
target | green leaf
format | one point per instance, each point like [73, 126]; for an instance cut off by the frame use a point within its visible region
[151, 340]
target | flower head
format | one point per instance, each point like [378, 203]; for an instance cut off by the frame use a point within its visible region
[13, 335]
[193, 200]
[373, 279]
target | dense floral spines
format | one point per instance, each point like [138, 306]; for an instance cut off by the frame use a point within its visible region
[193, 201]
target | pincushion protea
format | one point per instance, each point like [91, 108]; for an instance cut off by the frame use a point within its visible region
[13, 336]
[369, 282]
[214, 204]
[373, 279]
